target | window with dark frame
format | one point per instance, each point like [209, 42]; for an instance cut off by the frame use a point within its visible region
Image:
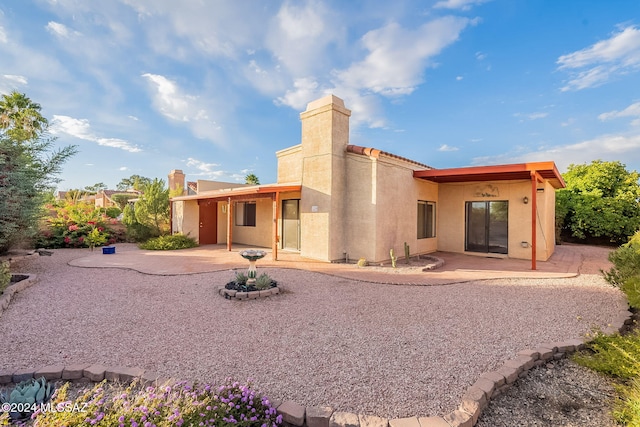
[246, 214]
[426, 219]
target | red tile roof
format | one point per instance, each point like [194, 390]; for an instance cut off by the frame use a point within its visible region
[374, 152]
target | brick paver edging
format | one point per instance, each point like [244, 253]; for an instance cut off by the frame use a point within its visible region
[240, 296]
[6, 296]
[488, 386]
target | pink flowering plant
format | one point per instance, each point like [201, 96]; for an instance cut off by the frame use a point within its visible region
[75, 225]
[168, 405]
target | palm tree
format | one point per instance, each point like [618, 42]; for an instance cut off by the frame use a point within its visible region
[252, 179]
[20, 117]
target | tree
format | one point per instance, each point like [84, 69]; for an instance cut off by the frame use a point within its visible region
[252, 179]
[95, 187]
[152, 209]
[600, 200]
[134, 182]
[20, 117]
[122, 199]
[28, 167]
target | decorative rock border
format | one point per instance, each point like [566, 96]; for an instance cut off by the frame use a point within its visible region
[434, 264]
[488, 386]
[241, 296]
[82, 373]
[6, 296]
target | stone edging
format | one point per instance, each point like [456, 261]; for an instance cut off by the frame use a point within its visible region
[240, 296]
[6, 296]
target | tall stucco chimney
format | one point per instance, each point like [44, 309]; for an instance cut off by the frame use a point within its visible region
[176, 181]
[325, 136]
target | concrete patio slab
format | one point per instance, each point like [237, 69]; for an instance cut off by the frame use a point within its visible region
[568, 261]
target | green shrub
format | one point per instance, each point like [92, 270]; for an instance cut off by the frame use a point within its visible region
[627, 408]
[169, 243]
[614, 355]
[112, 212]
[164, 406]
[362, 262]
[626, 263]
[5, 275]
[631, 288]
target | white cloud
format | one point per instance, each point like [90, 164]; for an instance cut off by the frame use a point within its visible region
[301, 34]
[632, 110]
[123, 168]
[458, 4]
[609, 147]
[445, 147]
[81, 129]
[61, 30]
[597, 64]
[22, 80]
[481, 56]
[172, 102]
[458, 78]
[304, 90]
[9, 82]
[3, 35]
[211, 28]
[531, 116]
[398, 56]
[169, 100]
[208, 170]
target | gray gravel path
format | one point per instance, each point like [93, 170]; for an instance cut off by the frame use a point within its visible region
[386, 350]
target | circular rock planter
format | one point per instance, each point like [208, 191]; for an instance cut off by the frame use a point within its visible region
[250, 286]
[245, 295]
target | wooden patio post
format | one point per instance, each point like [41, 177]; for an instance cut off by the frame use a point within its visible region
[274, 243]
[534, 208]
[229, 223]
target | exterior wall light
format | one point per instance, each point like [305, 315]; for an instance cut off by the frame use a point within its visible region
[525, 200]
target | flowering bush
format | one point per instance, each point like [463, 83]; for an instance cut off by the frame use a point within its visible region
[76, 225]
[163, 406]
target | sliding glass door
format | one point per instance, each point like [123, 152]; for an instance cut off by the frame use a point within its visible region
[487, 227]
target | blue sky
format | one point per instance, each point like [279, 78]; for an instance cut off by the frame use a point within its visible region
[216, 87]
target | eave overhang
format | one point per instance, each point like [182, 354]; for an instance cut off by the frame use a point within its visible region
[511, 172]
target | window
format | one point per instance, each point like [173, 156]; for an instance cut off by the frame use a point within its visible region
[426, 219]
[246, 214]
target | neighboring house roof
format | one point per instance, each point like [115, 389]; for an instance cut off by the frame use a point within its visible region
[251, 191]
[192, 186]
[375, 153]
[110, 193]
[546, 170]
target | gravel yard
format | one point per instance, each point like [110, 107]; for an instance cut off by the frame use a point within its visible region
[386, 350]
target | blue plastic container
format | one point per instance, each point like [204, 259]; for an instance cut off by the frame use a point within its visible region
[108, 250]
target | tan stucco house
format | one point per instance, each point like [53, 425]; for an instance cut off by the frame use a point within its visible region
[334, 201]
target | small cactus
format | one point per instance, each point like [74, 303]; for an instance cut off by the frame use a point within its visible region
[362, 262]
[393, 259]
[263, 281]
[407, 252]
[241, 278]
[28, 395]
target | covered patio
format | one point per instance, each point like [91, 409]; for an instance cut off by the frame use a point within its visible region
[536, 172]
[219, 216]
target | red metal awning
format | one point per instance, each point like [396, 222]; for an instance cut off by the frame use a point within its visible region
[517, 171]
